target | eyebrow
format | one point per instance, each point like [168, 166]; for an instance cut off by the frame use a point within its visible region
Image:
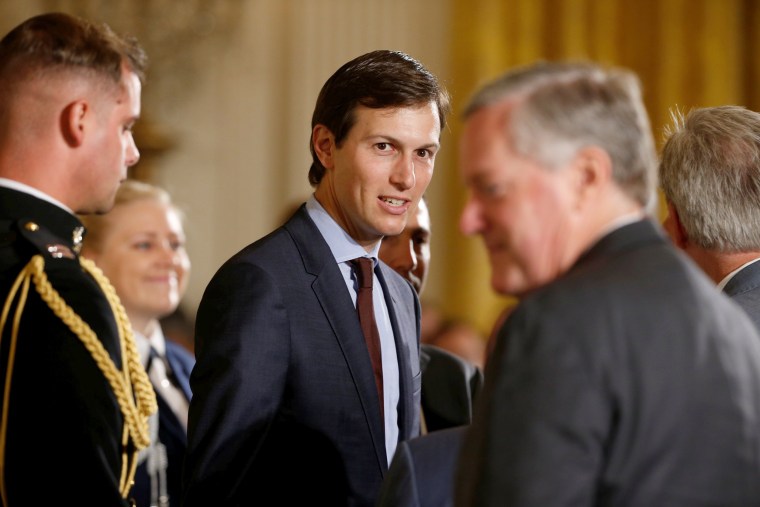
[396, 141]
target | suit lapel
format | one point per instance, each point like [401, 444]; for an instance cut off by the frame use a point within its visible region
[402, 318]
[180, 373]
[169, 422]
[328, 286]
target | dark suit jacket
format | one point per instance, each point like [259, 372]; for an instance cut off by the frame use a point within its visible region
[422, 471]
[629, 381]
[744, 289]
[171, 433]
[285, 408]
[62, 409]
[450, 385]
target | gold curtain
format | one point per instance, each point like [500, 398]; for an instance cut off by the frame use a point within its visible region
[687, 53]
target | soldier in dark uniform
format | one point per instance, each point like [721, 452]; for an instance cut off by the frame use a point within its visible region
[75, 399]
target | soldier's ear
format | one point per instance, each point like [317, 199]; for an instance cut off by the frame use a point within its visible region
[73, 121]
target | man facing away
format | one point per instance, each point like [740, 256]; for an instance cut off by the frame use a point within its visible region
[75, 399]
[710, 174]
[622, 377]
[288, 405]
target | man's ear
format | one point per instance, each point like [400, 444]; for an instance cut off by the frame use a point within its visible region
[591, 172]
[323, 142]
[674, 227]
[73, 119]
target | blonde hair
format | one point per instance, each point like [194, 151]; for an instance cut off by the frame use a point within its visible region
[130, 191]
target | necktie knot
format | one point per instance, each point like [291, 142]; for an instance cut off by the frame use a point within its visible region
[363, 267]
[158, 362]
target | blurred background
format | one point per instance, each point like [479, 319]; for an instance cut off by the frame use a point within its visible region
[232, 83]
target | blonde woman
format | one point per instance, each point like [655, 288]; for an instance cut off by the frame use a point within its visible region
[140, 246]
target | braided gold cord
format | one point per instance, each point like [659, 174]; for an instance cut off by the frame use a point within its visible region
[133, 368]
[131, 386]
[135, 414]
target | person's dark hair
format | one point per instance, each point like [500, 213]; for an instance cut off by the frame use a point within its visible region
[377, 80]
[61, 42]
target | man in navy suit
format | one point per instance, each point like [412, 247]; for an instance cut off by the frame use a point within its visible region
[622, 377]
[710, 174]
[286, 406]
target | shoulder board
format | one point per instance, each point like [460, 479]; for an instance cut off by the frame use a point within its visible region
[48, 244]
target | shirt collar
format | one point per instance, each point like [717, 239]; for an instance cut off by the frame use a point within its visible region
[156, 340]
[343, 247]
[729, 276]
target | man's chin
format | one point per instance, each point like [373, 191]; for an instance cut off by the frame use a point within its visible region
[507, 285]
[95, 208]
[393, 227]
[105, 207]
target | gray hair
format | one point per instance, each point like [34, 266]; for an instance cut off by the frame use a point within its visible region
[710, 173]
[561, 108]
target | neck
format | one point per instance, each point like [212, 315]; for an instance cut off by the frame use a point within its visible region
[144, 326]
[327, 200]
[603, 219]
[717, 265]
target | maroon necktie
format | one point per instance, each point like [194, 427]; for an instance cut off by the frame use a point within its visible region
[364, 306]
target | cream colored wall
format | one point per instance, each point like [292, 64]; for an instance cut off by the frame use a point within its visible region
[241, 115]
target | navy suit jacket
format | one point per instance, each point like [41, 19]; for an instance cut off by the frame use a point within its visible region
[171, 433]
[628, 381]
[422, 471]
[744, 289]
[285, 407]
[450, 385]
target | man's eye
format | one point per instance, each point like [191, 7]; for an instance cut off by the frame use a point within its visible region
[491, 189]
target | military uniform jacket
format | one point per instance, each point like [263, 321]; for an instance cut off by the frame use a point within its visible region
[62, 441]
